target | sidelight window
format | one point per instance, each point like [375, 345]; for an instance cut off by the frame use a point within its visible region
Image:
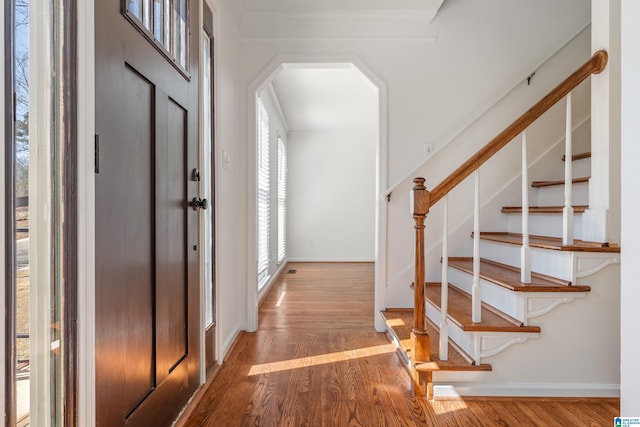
[38, 162]
[166, 24]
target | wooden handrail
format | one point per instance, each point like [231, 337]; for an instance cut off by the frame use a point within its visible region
[595, 65]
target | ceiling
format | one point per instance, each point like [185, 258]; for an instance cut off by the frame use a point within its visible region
[329, 97]
[334, 18]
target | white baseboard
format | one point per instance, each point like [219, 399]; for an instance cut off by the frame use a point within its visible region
[527, 390]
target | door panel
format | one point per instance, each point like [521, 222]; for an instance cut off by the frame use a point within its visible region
[147, 272]
[171, 238]
[126, 259]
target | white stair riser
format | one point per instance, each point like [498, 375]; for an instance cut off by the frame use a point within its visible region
[554, 196]
[505, 300]
[581, 167]
[552, 263]
[465, 340]
[545, 224]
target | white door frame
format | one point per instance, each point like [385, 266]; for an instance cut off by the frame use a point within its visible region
[258, 84]
[86, 214]
[216, 169]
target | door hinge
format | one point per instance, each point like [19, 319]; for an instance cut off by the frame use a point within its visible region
[96, 154]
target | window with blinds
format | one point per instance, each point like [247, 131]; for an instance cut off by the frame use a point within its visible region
[263, 192]
[282, 201]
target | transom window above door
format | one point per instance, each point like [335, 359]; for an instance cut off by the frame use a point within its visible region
[166, 24]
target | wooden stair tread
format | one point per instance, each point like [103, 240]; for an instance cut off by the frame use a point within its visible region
[459, 311]
[578, 156]
[400, 324]
[538, 184]
[578, 209]
[547, 242]
[509, 277]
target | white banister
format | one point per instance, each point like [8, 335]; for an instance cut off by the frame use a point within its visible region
[525, 251]
[444, 300]
[475, 290]
[567, 212]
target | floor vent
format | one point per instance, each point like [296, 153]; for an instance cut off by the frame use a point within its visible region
[292, 271]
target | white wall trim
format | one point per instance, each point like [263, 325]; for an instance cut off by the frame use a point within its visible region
[528, 390]
[218, 167]
[278, 107]
[86, 215]
[630, 269]
[259, 83]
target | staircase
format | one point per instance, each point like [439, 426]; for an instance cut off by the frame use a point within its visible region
[487, 303]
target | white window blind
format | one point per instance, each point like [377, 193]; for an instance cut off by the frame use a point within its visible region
[282, 201]
[263, 192]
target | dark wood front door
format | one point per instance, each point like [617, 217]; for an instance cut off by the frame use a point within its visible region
[147, 272]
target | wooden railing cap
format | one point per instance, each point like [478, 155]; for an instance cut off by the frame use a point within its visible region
[600, 58]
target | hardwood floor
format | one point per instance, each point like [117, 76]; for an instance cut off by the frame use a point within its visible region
[317, 361]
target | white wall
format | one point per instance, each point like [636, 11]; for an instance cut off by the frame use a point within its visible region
[434, 90]
[231, 199]
[630, 270]
[482, 50]
[331, 195]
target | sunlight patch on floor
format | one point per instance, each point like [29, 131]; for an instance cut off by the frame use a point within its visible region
[322, 359]
[395, 322]
[446, 399]
[281, 298]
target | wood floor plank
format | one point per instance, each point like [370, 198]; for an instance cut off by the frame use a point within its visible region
[547, 419]
[510, 414]
[316, 361]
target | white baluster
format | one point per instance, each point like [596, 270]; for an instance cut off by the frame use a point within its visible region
[525, 251]
[444, 301]
[475, 290]
[567, 212]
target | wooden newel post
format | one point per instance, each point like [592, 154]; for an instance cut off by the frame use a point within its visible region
[420, 343]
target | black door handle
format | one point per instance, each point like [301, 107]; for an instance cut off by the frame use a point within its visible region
[198, 203]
